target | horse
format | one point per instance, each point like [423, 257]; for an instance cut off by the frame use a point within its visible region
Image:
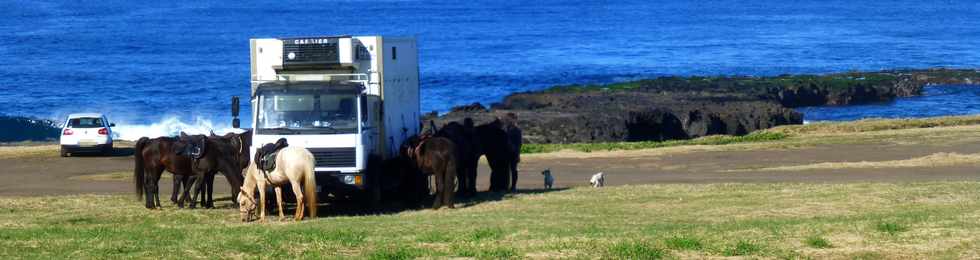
[435, 156]
[211, 155]
[468, 152]
[293, 165]
[242, 141]
[500, 152]
[152, 157]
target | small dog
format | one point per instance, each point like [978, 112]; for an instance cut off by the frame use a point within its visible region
[548, 179]
[598, 180]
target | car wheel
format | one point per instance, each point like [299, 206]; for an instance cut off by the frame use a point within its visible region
[64, 152]
[107, 150]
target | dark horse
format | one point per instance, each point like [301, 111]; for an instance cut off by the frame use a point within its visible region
[242, 141]
[152, 157]
[500, 151]
[215, 154]
[435, 156]
[468, 152]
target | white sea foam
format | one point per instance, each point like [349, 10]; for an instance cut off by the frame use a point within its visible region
[170, 126]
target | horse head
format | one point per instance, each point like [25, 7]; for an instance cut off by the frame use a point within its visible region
[246, 205]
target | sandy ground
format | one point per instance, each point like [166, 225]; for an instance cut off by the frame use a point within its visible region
[52, 175]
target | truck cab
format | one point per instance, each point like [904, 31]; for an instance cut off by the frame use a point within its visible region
[349, 100]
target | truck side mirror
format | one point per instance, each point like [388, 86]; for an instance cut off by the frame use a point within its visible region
[234, 106]
[235, 123]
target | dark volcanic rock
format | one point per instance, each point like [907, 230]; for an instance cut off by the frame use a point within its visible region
[629, 116]
[680, 108]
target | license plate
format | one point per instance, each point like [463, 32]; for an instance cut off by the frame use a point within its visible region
[86, 143]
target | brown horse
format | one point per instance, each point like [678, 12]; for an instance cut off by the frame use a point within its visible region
[211, 155]
[500, 152]
[152, 157]
[435, 156]
[242, 142]
[468, 151]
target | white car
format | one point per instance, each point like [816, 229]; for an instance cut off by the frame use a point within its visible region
[86, 132]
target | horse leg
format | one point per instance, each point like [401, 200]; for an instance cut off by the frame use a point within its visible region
[513, 175]
[261, 187]
[156, 188]
[471, 169]
[147, 190]
[209, 191]
[176, 190]
[449, 180]
[300, 203]
[198, 182]
[440, 191]
[279, 202]
[185, 192]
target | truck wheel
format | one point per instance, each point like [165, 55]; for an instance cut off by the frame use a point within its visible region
[373, 174]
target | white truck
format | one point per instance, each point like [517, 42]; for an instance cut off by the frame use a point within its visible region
[350, 100]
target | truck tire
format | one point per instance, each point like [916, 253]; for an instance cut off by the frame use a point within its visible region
[372, 198]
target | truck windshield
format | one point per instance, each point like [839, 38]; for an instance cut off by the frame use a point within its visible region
[307, 113]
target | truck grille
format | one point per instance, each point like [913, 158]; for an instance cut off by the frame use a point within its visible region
[334, 157]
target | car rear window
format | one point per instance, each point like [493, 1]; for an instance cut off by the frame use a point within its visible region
[85, 122]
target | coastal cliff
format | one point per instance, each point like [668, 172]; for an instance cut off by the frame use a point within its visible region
[689, 107]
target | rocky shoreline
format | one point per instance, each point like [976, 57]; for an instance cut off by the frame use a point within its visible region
[669, 108]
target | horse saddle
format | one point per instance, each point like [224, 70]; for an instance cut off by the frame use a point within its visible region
[265, 157]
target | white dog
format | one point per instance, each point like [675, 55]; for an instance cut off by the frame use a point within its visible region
[598, 180]
[548, 179]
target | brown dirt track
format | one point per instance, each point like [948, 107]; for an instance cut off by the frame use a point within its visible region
[48, 174]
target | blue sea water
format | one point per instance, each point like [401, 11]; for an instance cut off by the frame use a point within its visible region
[163, 66]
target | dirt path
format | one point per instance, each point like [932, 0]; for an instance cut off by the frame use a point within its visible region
[52, 175]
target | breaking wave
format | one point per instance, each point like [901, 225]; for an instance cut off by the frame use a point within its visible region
[170, 126]
[18, 128]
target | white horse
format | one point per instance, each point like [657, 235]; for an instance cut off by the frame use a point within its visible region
[293, 165]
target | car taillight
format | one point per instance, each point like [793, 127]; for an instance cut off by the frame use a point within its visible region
[103, 131]
[67, 132]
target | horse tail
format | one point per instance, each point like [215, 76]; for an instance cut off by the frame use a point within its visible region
[309, 191]
[138, 168]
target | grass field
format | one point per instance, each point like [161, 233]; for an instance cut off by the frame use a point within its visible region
[851, 221]
[797, 135]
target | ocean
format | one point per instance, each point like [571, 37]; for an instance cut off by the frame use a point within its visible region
[158, 68]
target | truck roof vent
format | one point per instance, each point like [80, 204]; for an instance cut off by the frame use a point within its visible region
[315, 52]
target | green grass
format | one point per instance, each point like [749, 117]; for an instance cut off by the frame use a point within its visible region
[872, 125]
[708, 140]
[743, 248]
[865, 220]
[818, 242]
[796, 135]
[635, 250]
[683, 243]
[890, 228]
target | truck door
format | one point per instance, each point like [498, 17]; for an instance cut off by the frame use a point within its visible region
[371, 121]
